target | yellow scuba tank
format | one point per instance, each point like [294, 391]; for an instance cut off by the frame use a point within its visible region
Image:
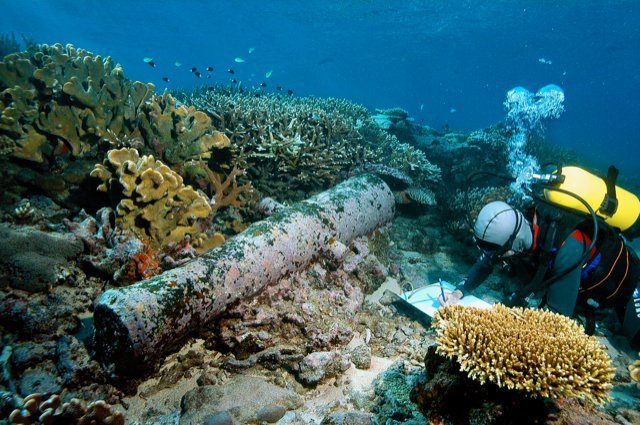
[593, 190]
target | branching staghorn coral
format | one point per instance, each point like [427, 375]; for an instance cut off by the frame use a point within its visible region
[535, 351]
[226, 192]
[302, 142]
[157, 206]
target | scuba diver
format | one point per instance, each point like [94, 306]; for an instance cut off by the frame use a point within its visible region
[573, 272]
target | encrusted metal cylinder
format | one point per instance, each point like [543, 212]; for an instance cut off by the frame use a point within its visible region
[138, 323]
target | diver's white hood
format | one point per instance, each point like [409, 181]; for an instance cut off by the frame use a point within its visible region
[496, 223]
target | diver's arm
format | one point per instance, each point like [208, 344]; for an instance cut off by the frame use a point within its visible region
[563, 293]
[478, 273]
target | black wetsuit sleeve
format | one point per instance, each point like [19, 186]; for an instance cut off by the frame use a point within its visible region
[478, 273]
[563, 292]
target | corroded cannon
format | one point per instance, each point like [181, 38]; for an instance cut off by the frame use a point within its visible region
[138, 323]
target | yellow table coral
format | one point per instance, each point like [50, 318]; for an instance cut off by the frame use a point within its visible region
[535, 351]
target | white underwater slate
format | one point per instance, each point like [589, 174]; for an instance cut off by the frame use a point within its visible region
[425, 298]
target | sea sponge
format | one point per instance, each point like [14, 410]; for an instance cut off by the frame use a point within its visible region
[157, 206]
[535, 351]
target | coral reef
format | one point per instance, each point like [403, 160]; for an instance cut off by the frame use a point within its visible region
[59, 99]
[393, 389]
[397, 122]
[535, 351]
[392, 176]
[449, 396]
[227, 192]
[178, 133]
[53, 412]
[157, 206]
[303, 144]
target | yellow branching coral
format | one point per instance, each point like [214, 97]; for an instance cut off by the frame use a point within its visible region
[157, 206]
[535, 351]
[635, 371]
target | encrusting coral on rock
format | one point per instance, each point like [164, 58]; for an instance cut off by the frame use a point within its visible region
[535, 351]
[157, 205]
[53, 412]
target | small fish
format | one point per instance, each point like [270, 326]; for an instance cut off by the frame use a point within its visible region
[452, 110]
[239, 60]
[209, 76]
[147, 59]
[279, 88]
[289, 92]
[545, 61]
[251, 49]
[197, 74]
[152, 64]
[177, 64]
[209, 68]
[234, 81]
[268, 74]
[263, 84]
[194, 69]
[422, 106]
[231, 71]
[165, 79]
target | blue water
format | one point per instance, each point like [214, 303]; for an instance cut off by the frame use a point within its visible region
[446, 62]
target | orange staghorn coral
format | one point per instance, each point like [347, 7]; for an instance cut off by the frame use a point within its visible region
[226, 193]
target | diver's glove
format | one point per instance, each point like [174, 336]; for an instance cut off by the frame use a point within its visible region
[636, 301]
